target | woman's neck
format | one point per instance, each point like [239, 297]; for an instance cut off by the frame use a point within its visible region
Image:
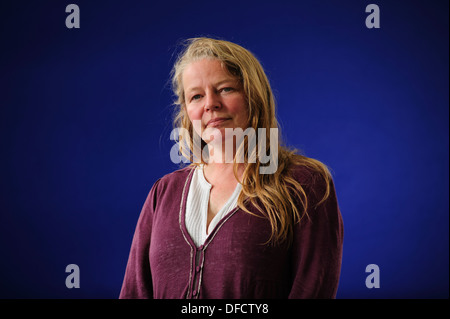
[222, 172]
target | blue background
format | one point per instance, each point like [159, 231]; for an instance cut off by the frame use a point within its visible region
[85, 117]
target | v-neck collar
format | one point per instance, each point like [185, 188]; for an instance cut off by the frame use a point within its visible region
[182, 216]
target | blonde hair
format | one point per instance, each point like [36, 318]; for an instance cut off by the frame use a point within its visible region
[280, 193]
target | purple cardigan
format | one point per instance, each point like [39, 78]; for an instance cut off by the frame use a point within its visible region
[233, 262]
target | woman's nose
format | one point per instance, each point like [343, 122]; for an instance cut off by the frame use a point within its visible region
[212, 102]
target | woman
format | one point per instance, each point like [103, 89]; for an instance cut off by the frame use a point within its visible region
[222, 228]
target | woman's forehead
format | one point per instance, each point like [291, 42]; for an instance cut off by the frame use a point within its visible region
[205, 71]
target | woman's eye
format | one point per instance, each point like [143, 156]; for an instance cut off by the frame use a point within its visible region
[228, 89]
[196, 97]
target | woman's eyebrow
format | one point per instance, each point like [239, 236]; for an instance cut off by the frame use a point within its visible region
[225, 81]
[215, 84]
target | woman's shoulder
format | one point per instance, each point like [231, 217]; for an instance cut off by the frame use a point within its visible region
[309, 171]
[315, 179]
[312, 175]
[179, 173]
[176, 178]
[169, 186]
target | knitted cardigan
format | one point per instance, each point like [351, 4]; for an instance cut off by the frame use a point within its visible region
[234, 262]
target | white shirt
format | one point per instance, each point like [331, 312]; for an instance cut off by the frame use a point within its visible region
[197, 207]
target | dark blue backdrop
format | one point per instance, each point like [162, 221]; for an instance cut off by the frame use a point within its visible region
[86, 116]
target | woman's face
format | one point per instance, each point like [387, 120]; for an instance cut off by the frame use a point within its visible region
[214, 98]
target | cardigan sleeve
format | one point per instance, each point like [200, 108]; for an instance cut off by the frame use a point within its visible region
[317, 247]
[137, 283]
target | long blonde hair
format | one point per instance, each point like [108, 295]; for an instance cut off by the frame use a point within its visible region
[279, 194]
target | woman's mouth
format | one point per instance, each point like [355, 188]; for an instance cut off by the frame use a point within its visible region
[217, 121]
